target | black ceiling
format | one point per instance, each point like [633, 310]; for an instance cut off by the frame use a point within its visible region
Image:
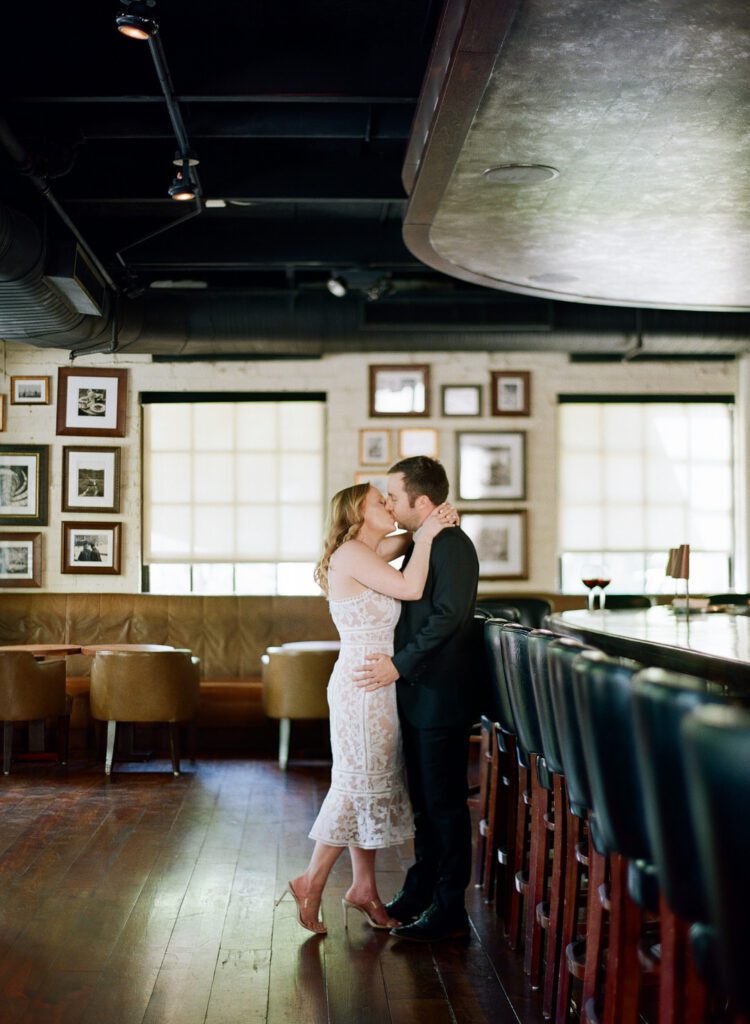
[300, 114]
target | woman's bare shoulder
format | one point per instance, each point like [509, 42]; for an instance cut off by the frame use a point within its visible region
[349, 549]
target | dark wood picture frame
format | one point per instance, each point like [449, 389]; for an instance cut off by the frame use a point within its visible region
[380, 374]
[501, 538]
[510, 392]
[10, 577]
[92, 502]
[80, 534]
[16, 391]
[24, 472]
[491, 465]
[85, 395]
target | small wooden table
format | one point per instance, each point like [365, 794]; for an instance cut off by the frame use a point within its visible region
[42, 650]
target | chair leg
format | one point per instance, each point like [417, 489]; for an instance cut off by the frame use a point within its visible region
[63, 738]
[109, 756]
[556, 896]
[594, 926]
[505, 883]
[174, 746]
[284, 728]
[519, 859]
[538, 856]
[622, 986]
[682, 994]
[571, 907]
[494, 816]
[7, 746]
[485, 768]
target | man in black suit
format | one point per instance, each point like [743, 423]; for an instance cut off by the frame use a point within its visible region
[432, 672]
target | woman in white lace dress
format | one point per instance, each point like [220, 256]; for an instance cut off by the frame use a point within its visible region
[367, 806]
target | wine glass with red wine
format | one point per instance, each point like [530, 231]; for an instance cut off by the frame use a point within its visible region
[596, 578]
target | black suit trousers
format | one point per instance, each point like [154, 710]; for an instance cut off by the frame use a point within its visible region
[436, 768]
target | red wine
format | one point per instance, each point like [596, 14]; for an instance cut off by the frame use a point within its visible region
[602, 583]
[591, 583]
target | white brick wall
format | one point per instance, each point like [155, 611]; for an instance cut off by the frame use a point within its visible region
[345, 379]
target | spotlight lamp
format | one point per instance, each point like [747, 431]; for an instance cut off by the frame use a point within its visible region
[136, 21]
[336, 286]
[183, 188]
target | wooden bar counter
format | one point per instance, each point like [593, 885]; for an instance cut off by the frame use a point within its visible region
[713, 645]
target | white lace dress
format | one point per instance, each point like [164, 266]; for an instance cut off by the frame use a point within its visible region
[367, 805]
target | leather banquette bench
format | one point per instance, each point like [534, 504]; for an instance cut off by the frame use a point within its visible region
[227, 634]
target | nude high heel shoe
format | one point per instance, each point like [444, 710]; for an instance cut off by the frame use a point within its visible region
[318, 928]
[364, 910]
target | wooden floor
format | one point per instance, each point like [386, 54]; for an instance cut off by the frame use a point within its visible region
[150, 900]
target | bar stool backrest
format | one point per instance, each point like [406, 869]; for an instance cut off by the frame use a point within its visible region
[717, 755]
[514, 642]
[562, 653]
[530, 611]
[538, 642]
[503, 711]
[661, 702]
[603, 690]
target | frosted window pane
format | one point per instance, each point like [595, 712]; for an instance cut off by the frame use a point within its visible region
[580, 427]
[257, 532]
[301, 532]
[169, 579]
[710, 530]
[213, 531]
[710, 489]
[710, 433]
[709, 573]
[255, 578]
[623, 428]
[580, 478]
[665, 525]
[213, 579]
[256, 427]
[170, 530]
[666, 481]
[257, 478]
[213, 479]
[214, 427]
[170, 478]
[581, 527]
[666, 430]
[169, 427]
[622, 479]
[301, 478]
[301, 426]
[297, 578]
[623, 528]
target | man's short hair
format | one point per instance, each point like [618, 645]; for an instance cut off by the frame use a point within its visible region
[423, 475]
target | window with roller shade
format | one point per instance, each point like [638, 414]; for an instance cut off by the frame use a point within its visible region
[232, 493]
[637, 477]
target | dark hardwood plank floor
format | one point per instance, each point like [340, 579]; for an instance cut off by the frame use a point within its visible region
[150, 900]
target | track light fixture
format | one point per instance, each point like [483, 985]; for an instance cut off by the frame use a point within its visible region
[336, 286]
[136, 22]
[183, 188]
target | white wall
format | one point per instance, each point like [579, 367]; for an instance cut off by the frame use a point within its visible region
[345, 379]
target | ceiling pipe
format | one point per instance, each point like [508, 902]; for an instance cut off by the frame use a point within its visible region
[25, 165]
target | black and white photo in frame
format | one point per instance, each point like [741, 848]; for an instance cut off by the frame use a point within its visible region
[20, 559]
[492, 465]
[91, 402]
[91, 479]
[500, 540]
[23, 484]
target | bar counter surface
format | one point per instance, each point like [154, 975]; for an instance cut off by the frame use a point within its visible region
[712, 645]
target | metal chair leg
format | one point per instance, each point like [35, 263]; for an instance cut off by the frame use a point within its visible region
[284, 729]
[109, 756]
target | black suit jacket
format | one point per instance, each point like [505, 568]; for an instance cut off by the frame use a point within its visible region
[433, 642]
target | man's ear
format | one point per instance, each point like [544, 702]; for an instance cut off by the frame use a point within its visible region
[423, 504]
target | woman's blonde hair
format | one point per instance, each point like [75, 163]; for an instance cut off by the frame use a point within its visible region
[345, 516]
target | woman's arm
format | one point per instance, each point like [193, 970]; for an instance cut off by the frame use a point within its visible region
[394, 546]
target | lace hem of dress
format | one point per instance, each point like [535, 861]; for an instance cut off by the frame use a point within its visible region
[366, 821]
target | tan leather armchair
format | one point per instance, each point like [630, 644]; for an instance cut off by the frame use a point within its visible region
[158, 686]
[294, 686]
[31, 690]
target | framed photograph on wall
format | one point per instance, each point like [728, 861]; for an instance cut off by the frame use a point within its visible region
[375, 447]
[2, 412]
[418, 441]
[91, 402]
[461, 400]
[492, 465]
[29, 391]
[511, 393]
[20, 559]
[501, 542]
[400, 390]
[379, 480]
[23, 484]
[91, 548]
[91, 479]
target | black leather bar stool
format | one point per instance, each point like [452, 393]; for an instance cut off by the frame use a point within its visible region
[549, 910]
[498, 833]
[661, 702]
[581, 858]
[717, 757]
[531, 611]
[533, 793]
[603, 689]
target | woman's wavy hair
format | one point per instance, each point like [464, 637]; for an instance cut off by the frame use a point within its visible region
[345, 517]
